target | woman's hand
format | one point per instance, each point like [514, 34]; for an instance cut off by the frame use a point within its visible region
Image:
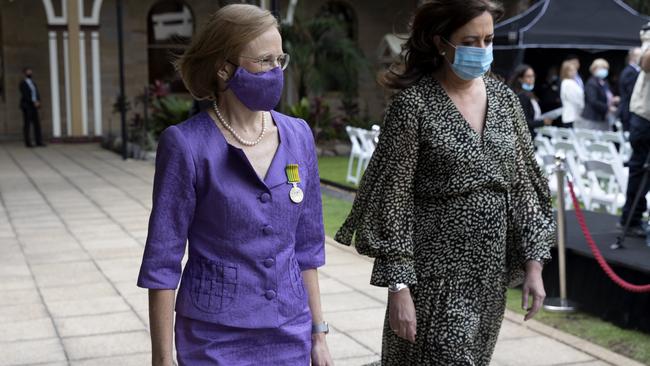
[320, 353]
[401, 314]
[533, 287]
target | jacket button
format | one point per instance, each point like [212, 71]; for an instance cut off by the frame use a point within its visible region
[265, 197]
[270, 295]
[269, 262]
[267, 230]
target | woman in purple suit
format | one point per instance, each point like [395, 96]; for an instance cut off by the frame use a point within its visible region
[240, 184]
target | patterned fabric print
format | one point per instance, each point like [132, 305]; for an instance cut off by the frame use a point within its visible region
[453, 214]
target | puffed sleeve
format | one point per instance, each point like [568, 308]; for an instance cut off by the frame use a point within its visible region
[531, 220]
[310, 234]
[174, 201]
[382, 216]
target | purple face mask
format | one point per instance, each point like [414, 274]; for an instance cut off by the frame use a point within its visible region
[257, 91]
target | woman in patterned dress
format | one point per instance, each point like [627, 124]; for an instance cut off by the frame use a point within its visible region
[453, 206]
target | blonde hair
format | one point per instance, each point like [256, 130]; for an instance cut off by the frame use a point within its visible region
[598, 63]
[222, 38]
[566, 68]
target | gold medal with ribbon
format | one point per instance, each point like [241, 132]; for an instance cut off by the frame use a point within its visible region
[293, 177]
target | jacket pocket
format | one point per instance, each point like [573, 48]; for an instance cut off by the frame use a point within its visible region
[213, 285]
[295, 276]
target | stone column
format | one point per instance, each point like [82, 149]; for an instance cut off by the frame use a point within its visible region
[54, 85]
[97, 84]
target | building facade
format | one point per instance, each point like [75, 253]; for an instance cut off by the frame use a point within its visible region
[72, 48]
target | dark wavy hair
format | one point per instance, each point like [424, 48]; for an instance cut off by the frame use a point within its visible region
[434, 18]
[519, 72]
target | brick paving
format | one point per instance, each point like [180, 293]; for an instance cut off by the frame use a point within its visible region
[73, 221]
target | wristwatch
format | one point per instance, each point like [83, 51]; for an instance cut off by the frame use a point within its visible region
[397, 287]
[320, 328]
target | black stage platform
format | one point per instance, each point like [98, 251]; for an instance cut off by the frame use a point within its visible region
[590, 287]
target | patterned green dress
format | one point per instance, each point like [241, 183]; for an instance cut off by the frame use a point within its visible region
[453, 214]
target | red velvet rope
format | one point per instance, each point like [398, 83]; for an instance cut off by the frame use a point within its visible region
[597, 254]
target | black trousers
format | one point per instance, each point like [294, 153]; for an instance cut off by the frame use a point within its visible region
[30, 118]
[640, 141]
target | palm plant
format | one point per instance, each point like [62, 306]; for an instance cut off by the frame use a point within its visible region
[168, 110]
[323, 57]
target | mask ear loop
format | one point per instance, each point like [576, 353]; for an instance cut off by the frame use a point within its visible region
[225, 80]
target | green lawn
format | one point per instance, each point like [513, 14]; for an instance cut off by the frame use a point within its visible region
[633, 344]
[334, 168]
[334, 211]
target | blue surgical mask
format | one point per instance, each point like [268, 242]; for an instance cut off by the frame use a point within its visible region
[471, 62]
[527, 87]
[601, 73]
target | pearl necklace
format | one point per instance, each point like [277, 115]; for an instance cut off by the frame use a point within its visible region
[234, 133]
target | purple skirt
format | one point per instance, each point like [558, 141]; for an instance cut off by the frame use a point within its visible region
[202, 343]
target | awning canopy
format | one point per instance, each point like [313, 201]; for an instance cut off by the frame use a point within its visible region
[584, 24]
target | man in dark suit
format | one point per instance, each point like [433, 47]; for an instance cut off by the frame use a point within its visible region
[30, 102]
[626, 85]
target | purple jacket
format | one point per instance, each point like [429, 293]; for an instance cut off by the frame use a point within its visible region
[248, 242]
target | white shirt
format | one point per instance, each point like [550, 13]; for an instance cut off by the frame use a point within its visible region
[640, 100]
[537, 115]
[573, 100]
[32, 87]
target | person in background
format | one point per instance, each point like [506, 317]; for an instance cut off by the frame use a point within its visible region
[30, 103]
[575, 60]
[599, 100]
[640, 141]
[626, 84]
[572, 95]
[522, 83]
[549, 91]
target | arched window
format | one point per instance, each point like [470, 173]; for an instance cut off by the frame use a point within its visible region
[170, 27]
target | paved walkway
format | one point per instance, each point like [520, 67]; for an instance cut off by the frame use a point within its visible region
[73, 221]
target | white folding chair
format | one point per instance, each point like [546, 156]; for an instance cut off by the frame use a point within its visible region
[363, 147]
[604, 189]
[367, 139]
[580, 185]
[570, 146]
[547, 131]
[356, 154]
[611, 136]
[564, 134]
[584, 135]
[602, 151]
[543, 145]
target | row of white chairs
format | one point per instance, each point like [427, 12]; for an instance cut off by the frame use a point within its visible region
[598, 184]
[363, 146]
[585, 141]
[594, 161]
[553, 132]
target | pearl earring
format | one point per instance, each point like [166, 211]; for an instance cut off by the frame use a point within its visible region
[443, 53]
